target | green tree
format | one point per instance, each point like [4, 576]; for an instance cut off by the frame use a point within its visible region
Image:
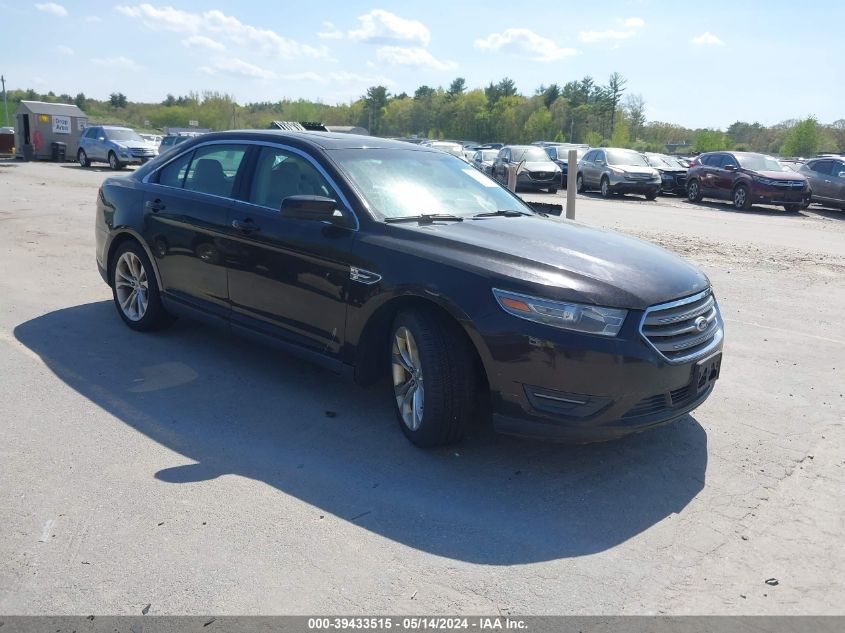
[458, 86]
[710, 141]
[613, 95]
[803, 139]
[621, 136]
[80, 101]
[117, 100]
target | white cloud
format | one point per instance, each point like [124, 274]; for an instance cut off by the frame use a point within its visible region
[525, 43]
[707, 39]
[116, 62]
[380, 26]
[52, 8]
[65, 50]
[238, 67]
[217, 23]
[201, 41]
[413, 56]
[634, 23]
[331, 32]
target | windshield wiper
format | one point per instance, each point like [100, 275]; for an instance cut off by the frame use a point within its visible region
[425, 218]
[505, 213]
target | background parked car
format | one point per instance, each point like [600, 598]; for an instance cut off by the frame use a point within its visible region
[673, 174]
[174, 139]
[117, 146]
[746, 178]
[538, 171]
[827, 180]
[617, 170]
[483, 159]
[456, 149]
[559, 154]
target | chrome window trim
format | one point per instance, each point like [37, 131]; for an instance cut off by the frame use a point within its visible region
[717, 338]
[282, 146]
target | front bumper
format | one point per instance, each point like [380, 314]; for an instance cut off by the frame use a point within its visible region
[553, 384]
[767, 194]
[620, 184]
[674, 183]
[525, 181]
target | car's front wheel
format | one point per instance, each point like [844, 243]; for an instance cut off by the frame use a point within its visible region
[135, 291]
[794, 208]
[579, 183]
[434, 378]
[113, 162]
[605, 187]
[741, 198]
[82, 157]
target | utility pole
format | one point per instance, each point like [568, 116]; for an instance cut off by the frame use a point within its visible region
[5, 103]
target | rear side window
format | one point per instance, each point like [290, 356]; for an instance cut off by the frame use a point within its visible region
[213, 169]
[711, 160]
[822, 167]
[173, 174]
[280, 174]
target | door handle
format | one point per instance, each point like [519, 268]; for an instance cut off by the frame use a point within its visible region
[155, 205]
[246, 226]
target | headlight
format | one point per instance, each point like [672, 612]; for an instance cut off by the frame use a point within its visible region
[617, 172]
[656, 176]
[764, 181]
[564, 315]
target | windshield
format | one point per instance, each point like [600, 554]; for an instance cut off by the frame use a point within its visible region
[397, 183]
[123, 135]
[529, 155]
[489, 154]
[759, 162]
[663, 162]
[625, 157]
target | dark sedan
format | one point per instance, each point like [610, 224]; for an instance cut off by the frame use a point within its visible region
[673, 174]
[746, 178]
[377, 258]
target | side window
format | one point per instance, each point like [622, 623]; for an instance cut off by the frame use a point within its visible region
[589, 157]
[727, 159]
[173, 174]
[280, 174]
[599, 156]
[838, 169]
[823, 167]
[710, 160]
[213, 169]
[551, 152]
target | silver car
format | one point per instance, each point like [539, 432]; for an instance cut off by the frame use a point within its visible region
[483, 159]
[827, 180]
[617, 170]
[117, 146]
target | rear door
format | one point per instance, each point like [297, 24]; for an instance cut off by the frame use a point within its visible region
[289, 278]
[837, 182]
[724, 178]
[187, 210]
[819, 175]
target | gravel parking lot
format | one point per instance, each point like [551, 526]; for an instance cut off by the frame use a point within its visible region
[199, 473]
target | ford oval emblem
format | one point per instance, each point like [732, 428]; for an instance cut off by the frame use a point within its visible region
[701, 324]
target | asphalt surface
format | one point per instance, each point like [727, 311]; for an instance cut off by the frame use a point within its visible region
[199, 473]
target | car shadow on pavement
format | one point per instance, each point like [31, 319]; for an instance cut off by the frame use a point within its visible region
[756, 209]
[100, 169]
[234, 407]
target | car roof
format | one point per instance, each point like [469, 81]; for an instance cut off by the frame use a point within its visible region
[321, 140]
[114, 127]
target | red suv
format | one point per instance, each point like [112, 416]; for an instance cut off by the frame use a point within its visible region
[746, 178]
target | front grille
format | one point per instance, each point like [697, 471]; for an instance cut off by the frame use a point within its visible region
[639, 176]
[541, 175]
[683, 329]
[789, 184]
[661, 402]
[139, 151]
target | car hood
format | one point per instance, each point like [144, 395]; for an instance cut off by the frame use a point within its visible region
[540, 165]
[135, 144]
[635, 169]
[780, 175]
[561, 260]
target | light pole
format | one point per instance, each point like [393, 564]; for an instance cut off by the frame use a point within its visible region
[5, 103]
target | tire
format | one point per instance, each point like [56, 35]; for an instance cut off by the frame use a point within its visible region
[553, 190]
[794, 208]
[693, 191]
[605, 187]
[579, 184]
[433, 375]
[114, 163]
[741, 199]
[131, 273]
[82, 158]
[651, 196]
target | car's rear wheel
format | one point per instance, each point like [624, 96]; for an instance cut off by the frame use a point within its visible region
[741, 198]
[553, 190]
[434, 378]
[605, 187]
[693, 191]
[135, 290]
[579, 183]
[113, 162]
[82, 157]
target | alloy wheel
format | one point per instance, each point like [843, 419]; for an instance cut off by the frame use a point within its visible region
[407, 378]
[83, 158]
[131, 286]
[113, 161]
[739, 197]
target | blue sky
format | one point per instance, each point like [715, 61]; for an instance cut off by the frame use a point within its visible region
[699, 64]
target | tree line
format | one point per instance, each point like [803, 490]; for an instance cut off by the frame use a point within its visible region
[580, 111]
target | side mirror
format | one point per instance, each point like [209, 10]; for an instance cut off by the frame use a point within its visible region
[314, 208]
[101, 138]
[842, 174]
[599, 162]
[730, 167]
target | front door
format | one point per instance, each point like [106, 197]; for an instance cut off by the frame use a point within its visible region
[187, 209]
[289, 278]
